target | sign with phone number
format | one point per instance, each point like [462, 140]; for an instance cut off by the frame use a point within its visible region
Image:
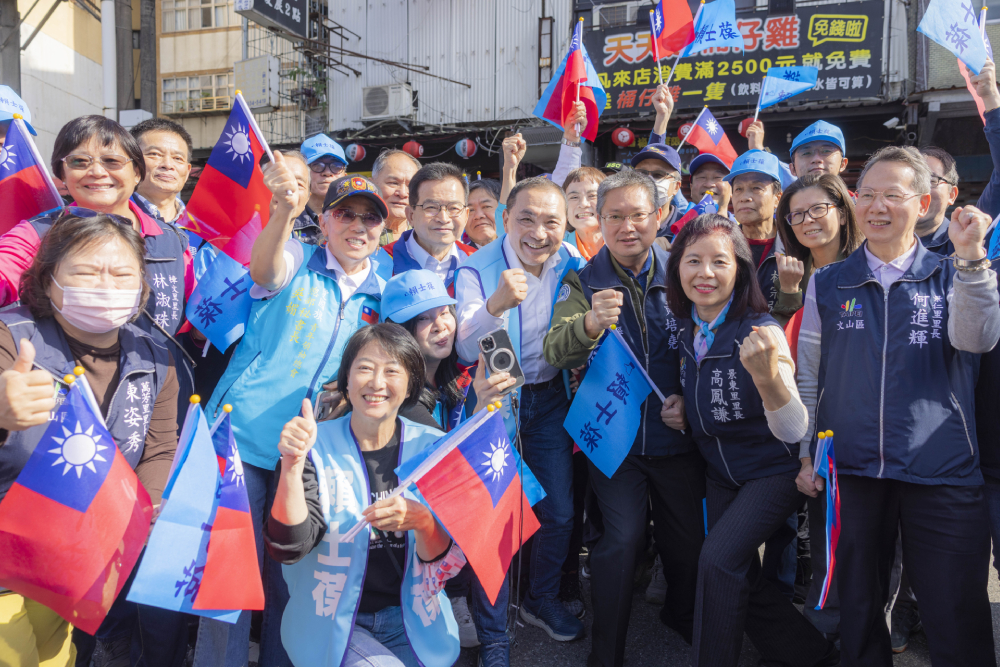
[843, 41]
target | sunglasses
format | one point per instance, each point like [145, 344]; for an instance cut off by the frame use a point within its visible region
[347, 216]
[319, 166]
[80, 162]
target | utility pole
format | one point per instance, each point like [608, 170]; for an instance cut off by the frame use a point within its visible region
[108, 59]
[10, 38]
[147, 55]
[123, 51]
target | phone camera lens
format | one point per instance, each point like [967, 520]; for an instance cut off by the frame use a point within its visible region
[488, 345]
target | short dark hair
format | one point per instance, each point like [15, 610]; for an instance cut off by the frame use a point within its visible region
[106, 131]
[436, 171]
[851, 237]
[950, 171]
[534, 183]
[69, 234]
[584, 174]
[163, 125]
[491, 185]
[398, 344]
[746, 291]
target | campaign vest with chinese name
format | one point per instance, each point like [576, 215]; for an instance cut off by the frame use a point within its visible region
[896, 394]
[403, 261]
[488, 264]
[292, 347]
[725, 410]
[325, 587]
[143, 370]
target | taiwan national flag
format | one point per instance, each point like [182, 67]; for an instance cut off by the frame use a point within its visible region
[26, 189]
[229, 206]
[556, 103]
[826, 467]
[368, 315]
[232, 577]
[781, 83]
[954, 25]
[74, 522]
[673, 26]
[607, 408]
[706, 205]
[482, 493]
[708, 137]
[220, 304]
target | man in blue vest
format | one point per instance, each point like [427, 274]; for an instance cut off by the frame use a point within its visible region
[511, 284]
[327, 163]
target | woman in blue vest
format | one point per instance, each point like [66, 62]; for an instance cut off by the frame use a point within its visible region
[743, 407]
[309, 301]
[84, 289]
[377, 599]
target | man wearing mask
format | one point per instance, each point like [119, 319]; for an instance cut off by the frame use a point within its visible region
[327, 163]
[662, 163]
[392, 172]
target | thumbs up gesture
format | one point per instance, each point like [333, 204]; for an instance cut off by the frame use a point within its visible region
[280, 180]
[26, 396]
[298, 437]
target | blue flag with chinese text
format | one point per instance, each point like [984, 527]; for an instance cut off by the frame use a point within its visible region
[220, 304]
[607, 408]
[954, 24]
[173, 565]
[780, 83]
[715, 27]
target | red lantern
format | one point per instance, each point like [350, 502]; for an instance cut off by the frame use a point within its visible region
[355, 152]
[413, 148]
[622, 137]
[465, 148]
[683, 130]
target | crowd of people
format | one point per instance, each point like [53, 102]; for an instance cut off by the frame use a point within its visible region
[800, 308]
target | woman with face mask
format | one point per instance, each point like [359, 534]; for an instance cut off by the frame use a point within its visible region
[84, 289]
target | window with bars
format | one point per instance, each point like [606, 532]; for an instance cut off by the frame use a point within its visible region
[181, 15]
[208, 92]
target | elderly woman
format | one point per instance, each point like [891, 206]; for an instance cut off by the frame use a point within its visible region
[377, 599]
[80, 296]
[743, 407]
[888, 356]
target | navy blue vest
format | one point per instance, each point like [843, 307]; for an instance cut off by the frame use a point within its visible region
[659, 354]
[897, 395]
[144, 366]
[725, 409]
[987, 402]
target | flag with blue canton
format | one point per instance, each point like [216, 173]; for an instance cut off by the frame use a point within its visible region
[954, 25]
[173, 565]
[715, 27]
[220, 304]
[607, 408]
[781, 83]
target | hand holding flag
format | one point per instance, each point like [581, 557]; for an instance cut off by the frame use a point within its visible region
[954, 25]
[708, 136]
[574, 81]
[983, 86]
[781, 83]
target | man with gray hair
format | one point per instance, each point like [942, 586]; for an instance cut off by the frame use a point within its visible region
[906, 448]
[392, 172]
[511, 284]
[623, 285]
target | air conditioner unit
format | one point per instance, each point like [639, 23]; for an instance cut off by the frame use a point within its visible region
[386, 101]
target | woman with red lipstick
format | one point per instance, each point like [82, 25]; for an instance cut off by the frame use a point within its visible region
[743, 407]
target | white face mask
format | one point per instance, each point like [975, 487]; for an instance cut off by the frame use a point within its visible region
[98, 310]
[663, 189]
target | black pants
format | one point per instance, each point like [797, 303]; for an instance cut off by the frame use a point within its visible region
[946, 550]
[733, 594]
[676, 486]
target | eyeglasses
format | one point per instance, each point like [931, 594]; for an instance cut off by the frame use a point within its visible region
[892, 196]
[347, 216]
[319, 166]
[453, 210]
[80, 162]
[636, 218]
[938, 180]
[816, 211]
[658, 175]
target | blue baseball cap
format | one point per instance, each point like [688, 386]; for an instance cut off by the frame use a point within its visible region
[410, 293]
[703, 159]
[820, 131]
[659, 152]
[755, 161]
[316, 147]
[10, 104]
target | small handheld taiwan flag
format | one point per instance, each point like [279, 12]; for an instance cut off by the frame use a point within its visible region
[368, 315]
[26, 189]
[708, 136]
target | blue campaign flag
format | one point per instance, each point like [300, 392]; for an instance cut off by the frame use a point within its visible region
[954, 24]
[780, 83]
[715, 27]
[607, 408]
[220, 304]
[173, 565]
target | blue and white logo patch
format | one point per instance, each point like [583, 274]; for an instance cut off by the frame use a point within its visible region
[563, 294]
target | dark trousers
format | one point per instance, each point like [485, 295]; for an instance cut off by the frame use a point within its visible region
[733, 594]
[676, 486]
[946, 549]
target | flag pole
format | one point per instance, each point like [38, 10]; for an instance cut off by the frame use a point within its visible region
[759, 98]
[656, 48]
[656, 390]
[674, 68]
[254, 125]
[982, 23]
[692, 127]
[579, 138]
[19, 121]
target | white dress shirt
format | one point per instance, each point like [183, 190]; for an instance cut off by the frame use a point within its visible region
[889, 272]
[293, 262]
[427, 261]
[536, 314]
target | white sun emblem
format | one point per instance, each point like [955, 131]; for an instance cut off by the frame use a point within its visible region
[78, 450]
[712, 127]
[7, 156]
[496, 460]
[239, 143]
[236, 468]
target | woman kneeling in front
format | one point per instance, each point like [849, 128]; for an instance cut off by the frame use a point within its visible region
[743, 407]
[376, 599]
